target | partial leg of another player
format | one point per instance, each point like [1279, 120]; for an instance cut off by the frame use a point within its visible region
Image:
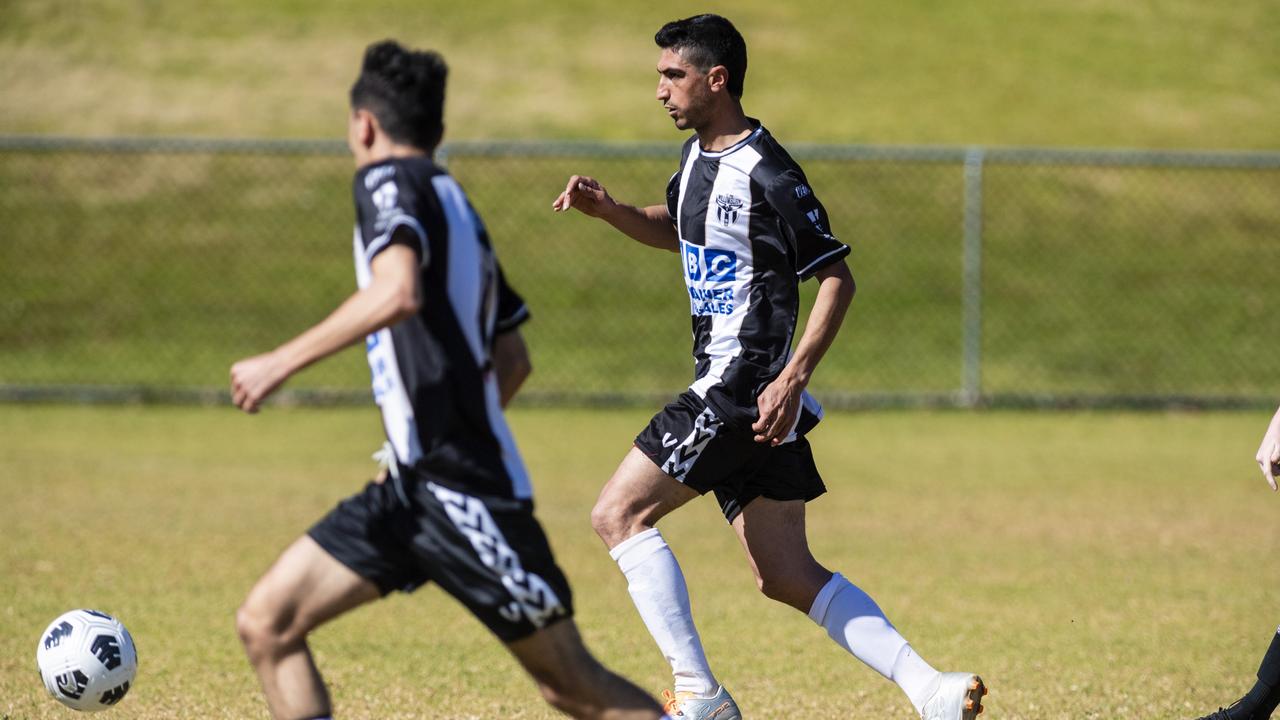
[1263, 698]
[631, 503]
[574, 682]
[303, 589]
[773, 534]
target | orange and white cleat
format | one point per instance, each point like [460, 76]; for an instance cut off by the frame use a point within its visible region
[685, 706]
[958, 697]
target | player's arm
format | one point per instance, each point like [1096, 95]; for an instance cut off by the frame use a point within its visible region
[1269, 451]
[779, 404]
[511, 363]
[391, 296]
[650, 225]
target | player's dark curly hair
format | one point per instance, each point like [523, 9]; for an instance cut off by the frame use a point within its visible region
[404, 89]
[705, 41]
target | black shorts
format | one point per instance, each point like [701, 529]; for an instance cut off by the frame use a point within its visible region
[693, 445]
[487, 552]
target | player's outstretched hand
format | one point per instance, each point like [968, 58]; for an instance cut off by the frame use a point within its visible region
[586, 195]
[255, 378]
[779, 406]
[1269, 451]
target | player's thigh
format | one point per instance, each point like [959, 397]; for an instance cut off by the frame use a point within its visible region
[305, 587]
[641, 491]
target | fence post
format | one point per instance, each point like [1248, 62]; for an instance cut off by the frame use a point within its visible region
[971, 378]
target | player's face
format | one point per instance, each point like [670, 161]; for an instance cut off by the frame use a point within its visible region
[682, 90]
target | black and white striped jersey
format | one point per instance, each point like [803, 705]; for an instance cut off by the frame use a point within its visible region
[432, 374]
[751, 229]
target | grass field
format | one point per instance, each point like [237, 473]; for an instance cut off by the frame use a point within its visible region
[1091, 566]
[1173, 73]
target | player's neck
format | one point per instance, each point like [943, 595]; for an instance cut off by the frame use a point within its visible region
[727, 129]
[381, 151]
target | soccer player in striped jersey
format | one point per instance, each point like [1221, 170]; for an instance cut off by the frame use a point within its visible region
[1263, 698]
[440, 327]
[748, 229]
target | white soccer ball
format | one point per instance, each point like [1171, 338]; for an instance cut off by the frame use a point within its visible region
[87, 660]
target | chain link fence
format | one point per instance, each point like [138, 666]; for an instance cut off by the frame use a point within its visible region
[141, 269]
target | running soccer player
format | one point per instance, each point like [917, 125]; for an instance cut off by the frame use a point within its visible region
[1263, 698]
[749, 229]
[457, 507]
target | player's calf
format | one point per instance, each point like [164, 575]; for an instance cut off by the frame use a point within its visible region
[574, 682]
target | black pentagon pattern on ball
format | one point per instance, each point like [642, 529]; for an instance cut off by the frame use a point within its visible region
[107, 649]
[55, 637]
[113, 696]
[72, 684]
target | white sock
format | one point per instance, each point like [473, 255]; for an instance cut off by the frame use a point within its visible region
[858, 625]
[658, 590]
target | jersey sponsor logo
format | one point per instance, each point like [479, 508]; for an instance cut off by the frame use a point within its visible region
[722, 265]
[727, 207]
[710, 264]
[802, 192]
[532, 597]
[712, 301]
[380, 357]
[682, 459]
[692, 262]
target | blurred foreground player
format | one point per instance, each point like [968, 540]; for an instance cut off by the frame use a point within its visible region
[457, 506]
[1261, 701]
[749, 229]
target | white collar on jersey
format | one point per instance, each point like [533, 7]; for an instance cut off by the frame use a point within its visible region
[734, 147]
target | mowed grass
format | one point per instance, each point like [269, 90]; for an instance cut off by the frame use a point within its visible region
[1175, 73]
[1088, 565]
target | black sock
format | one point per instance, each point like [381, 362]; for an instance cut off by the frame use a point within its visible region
[1269, 670]
[1262, 699]
[1253, 706]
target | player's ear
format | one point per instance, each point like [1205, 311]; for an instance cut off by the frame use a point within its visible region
[718, 78]
[363, 127]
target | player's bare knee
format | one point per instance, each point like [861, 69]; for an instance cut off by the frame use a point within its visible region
[556, 697]
[576, 692]
[264, 629]
[785, 588]
[254, 631]
[612, 522]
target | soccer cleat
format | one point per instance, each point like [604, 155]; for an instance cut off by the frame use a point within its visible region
[958, 697]
[1221, 714]
[684, 706]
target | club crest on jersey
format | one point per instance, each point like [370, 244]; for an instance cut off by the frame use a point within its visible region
[727, 207]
